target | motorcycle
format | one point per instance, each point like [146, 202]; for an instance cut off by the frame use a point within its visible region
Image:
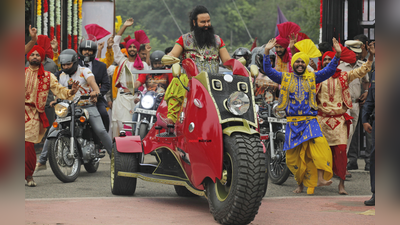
[146, 111]
[272, 131]
[73, 142]
[212, 150]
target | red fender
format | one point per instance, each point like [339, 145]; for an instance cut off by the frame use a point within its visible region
[128, 144]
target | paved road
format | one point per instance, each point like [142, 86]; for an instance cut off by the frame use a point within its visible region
[88, 200]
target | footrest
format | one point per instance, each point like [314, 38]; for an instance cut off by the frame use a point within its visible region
[166, 134]
[158, 127]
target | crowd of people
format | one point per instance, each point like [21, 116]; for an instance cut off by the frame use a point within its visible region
[322, 100]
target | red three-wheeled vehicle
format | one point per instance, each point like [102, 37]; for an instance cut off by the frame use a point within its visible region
[212, 150]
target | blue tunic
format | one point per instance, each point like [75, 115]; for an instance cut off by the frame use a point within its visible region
[298, 105]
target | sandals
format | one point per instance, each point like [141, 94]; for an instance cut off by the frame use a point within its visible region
[31, 183]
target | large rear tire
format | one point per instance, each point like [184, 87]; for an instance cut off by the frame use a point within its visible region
[236, 198]
[65, 169]
[125, 162]
[183, 191]
[277, 169]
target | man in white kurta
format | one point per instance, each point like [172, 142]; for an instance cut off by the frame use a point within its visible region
[124, 103]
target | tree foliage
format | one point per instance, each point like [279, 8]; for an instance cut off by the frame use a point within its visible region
[259, 16]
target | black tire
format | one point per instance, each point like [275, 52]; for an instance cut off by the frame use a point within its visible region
[183, 191]
[278, 171]
[143, 130]
[66, 170]
[125, 162]
[238, 200]
[91, 167]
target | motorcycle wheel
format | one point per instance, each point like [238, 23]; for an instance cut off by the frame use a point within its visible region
[236, 198]
[65, 169]
[126, 163]
[91, 167]
[183, 191]
[277, 169]
[143, 130]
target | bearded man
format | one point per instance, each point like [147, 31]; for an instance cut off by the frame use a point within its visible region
[201, 44]
[124, 105]
[308, 154]
[37, 85]
[334, 99]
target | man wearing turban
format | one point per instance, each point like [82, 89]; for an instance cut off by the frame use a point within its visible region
[124, 105]
[308, 155]
[333, 97]
[38, 82]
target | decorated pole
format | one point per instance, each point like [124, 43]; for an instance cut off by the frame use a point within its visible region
[45, 17]
[58, 23]
[69, 23]
[75, 22]
[51, 19]
[80, 19]
[39, 17]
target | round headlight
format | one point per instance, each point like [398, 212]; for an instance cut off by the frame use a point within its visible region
[238, 103]
[147, 102]
[61, 109]
[278, 114]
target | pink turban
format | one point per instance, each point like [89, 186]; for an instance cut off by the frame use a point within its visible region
[138, 62]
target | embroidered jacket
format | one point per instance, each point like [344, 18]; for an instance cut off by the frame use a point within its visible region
[298, 99]
[334, 99]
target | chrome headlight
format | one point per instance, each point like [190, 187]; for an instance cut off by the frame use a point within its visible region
[238, 103]
[61, 109]
[147, 101]
[86, 113]
[278, 114]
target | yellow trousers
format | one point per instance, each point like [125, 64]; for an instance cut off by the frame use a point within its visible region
[306, 159]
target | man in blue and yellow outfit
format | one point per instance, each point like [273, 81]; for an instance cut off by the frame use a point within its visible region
[308, 153]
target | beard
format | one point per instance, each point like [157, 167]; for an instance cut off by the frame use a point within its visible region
[282, 53]
[132, 53]
[34, 62]
[204, 37]
[296, 70]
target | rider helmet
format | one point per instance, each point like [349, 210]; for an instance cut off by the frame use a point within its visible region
[242, 52]
[156, 57]
[89, 43]
[66, 57]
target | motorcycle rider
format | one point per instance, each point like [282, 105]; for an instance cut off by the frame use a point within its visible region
[87, 51]
[154, 82]
[72, 71]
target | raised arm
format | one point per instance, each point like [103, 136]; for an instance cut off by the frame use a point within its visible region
[31, 43]
[269, 71]
[330, 70]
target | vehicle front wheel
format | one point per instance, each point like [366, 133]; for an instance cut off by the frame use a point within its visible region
[63, 167]
[143, 130]
[124, 162]
[236, 198]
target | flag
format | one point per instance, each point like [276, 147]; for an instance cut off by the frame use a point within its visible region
[281, 19]
[254, 44]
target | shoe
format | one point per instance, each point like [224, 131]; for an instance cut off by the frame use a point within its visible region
[370, 202]
[41, 167]
[31, 183]
[102, 153]
[367, 167]
[351, 166]
[348, 174]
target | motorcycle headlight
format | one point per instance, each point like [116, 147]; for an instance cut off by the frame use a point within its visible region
[278, 114]
[61, 109]
[238, 103]
[147, 102]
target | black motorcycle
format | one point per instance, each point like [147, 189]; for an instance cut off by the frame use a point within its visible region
[73, 142]
[272, 125]
[146, 111]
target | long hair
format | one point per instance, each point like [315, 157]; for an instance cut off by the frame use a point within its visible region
[193, 14]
